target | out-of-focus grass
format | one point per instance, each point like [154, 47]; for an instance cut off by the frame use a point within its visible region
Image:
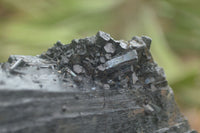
[35, 26]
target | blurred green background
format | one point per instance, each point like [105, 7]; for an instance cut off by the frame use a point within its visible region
[31, 26]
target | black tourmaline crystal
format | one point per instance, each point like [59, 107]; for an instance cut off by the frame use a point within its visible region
[93, 85]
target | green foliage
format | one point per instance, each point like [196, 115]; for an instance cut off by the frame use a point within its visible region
[37, 25]
[184, 26]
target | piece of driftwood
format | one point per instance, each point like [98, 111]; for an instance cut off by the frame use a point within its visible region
[93, 85]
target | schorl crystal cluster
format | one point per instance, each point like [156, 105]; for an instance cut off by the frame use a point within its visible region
[96, 84]
[105, 62]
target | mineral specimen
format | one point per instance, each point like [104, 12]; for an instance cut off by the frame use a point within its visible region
[92, 85]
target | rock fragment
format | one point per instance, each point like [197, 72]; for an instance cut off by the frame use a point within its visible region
[108, 56]
[109, 48]
[123, 44]
[134, 44]
[147, 40]
[134, 78]
[106, 86]
[102, 60]
[103, 35]
[101, 67]
[129, 56]
[148, 108]
[138, 39]
[78, 69]
[16, 64]
[69, 71]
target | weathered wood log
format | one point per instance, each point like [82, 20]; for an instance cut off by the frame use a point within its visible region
[92, 85]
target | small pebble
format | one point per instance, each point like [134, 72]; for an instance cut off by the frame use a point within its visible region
[147, 41]
[148, 107]
[78, 69]
[138, 39]
[102, 60]
[97, 54]
[109, 48]
[93, 88]
[134, 78]
[108, 56]
[123, 44]
[103, 35]
[101, 68]
[134, 44]
[106, 86]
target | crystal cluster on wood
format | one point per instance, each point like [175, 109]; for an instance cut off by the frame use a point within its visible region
[92, 85]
